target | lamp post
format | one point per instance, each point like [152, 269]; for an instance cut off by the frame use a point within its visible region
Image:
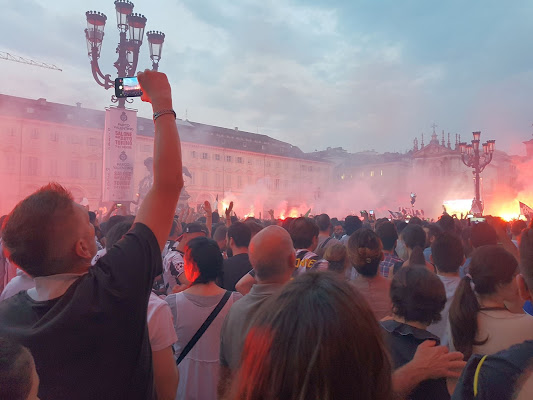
[131, 28]
[474, 158]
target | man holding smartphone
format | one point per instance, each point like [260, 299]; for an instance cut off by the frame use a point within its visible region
[86, 326]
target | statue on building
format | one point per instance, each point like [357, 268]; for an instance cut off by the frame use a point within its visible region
[146, 184]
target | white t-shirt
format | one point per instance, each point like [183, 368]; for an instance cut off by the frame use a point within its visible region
[99, 254]
[440, 328]
[160, 325]
[19, 283]
[172, 269]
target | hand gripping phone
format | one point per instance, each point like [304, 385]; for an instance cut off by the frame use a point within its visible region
[127, 87]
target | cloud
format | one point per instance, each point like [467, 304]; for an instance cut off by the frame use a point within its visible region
[313, 73]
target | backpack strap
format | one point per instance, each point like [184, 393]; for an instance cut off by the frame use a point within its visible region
[204, 327]
[325, 242]
[476, 375]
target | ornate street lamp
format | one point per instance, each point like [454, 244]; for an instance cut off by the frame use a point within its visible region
[473, 158]
[131, 28]
[155, 40]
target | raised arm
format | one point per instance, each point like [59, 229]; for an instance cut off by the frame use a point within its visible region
[228, 214]
[157, 209]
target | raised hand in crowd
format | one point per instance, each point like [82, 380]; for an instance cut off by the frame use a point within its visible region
[208, 216]
[228, 214]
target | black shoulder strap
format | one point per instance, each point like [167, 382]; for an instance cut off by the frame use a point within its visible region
[325, 242]
[204, 327]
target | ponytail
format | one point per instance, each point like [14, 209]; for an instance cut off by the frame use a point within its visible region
[463, 318]
[417, 256]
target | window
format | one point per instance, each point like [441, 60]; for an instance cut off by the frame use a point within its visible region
[74, 169]
[54, 137]
[276, 184]
[310, 168]
[239, 182]
[303, 167]
[371, 173]
[53, 168]
[93, 170]
[381, 172]
[32, 164]
[217, 157]
[204, 178]
[10, 164]
[193, 178]
[250, 162]
[249, 180]
[268, 164]
[205, 156]
[93, 141]
[228, 158]
[217, 180]
[239, 160]
[193, 154]
[75, 139]
[146, 148]
[34, 132]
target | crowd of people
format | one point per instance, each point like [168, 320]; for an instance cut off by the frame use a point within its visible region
[164, 306]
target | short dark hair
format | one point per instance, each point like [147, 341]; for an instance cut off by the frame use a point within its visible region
[324, 222]
[92, 217]
[434, 230]
[207, 257]
[400, 225]
[365, 251]
[216, 217]
[220, 233]
[16, 370]
[388, 234]
[417, 295]
[483, 234]
[415, 221]
[518, 226]
[117, 232]
[35, 231]
[255, 227]
[302, 231]
[351, 224]
[447, 252]
[446, 223]
[240, 233]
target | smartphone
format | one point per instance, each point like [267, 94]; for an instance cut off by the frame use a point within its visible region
[371, 212]
[127, 87]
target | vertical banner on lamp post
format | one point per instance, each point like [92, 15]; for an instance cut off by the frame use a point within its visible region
[119, 154]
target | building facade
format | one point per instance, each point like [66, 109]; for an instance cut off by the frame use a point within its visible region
[42, 141]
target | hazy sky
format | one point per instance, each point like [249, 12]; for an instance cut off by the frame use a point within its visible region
[357, 74]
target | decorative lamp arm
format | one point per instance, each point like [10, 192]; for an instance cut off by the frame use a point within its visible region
[97, 74]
